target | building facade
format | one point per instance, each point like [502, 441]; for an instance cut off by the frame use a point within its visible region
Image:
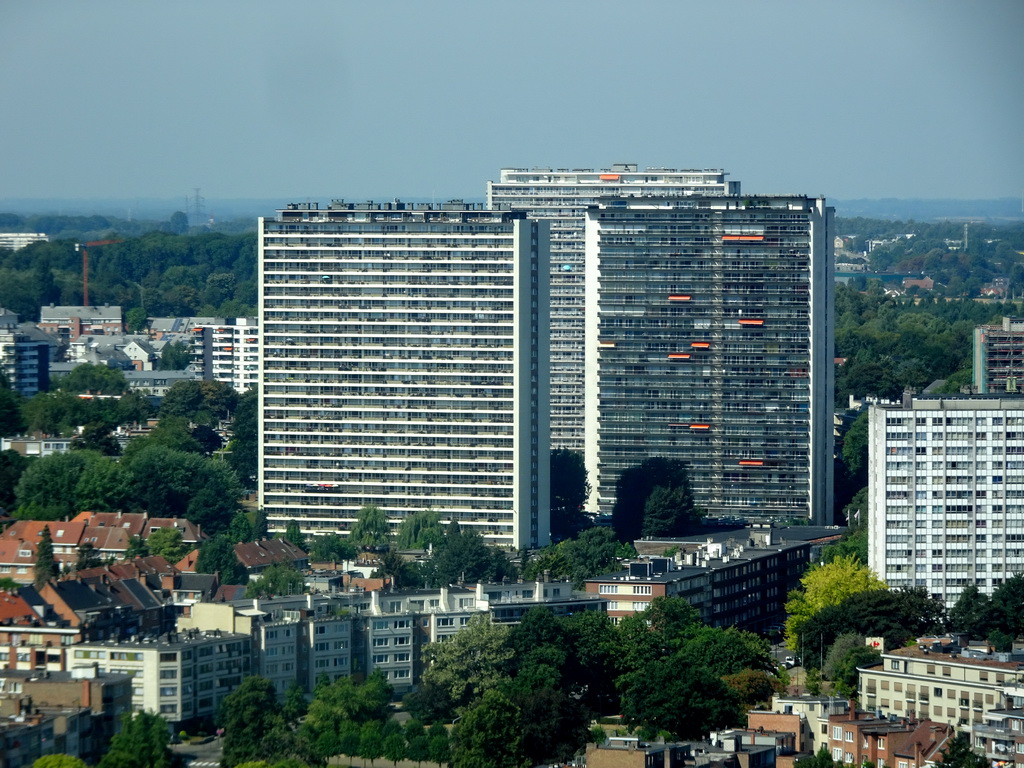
[561, 197]
[227, 350]
[709, 338]
[946, 492]
[404, 354]
[953, 688]
[999, 357]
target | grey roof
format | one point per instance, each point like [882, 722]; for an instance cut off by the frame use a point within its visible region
[52, 314]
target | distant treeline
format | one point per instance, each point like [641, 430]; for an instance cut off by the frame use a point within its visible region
[168, 275]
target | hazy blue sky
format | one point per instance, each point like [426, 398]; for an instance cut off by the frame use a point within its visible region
[247, 98]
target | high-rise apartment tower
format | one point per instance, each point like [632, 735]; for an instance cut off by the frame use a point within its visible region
[709, 338]
[561, 197]
[404, 355]
[946, 492]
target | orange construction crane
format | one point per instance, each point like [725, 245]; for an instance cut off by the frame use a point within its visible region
[84, 248]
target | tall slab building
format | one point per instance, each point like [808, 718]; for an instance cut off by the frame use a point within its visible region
[561, 197]
[709, 338]
[946, 492]
[404, 354]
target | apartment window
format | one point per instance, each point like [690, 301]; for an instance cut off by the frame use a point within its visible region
[849, 735]
[641, 589]
[381, 642]
[170, 690]
[608, 589]
[837, 755]
[837, 732]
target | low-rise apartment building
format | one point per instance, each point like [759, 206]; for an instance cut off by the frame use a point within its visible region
[741, 582]
[956, 688]
[1001, 738]
[183, 676]
[859, 738]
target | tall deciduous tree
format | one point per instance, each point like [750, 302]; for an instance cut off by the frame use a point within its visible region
[371, 529]
[823, 586]
[420, 530]
[217, 555]
[141, 743]
[46, 565]
[252, 722]
[473, 661]
[167, 543]
[243, 446]
[490, 734]
[569, 493]
[635, 486]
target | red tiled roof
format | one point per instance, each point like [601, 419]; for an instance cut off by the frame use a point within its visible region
[13, 607]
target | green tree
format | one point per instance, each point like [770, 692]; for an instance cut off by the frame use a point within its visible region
[823, 586]
[103, 486]
[260, 530]
[569, 493]
[136, 548]
[217, 555]
[293, 533]
[636, 484]
[472, 662]
[208, 440]
[668, 511]
[420, 530]
[371, 741]
[489, 734]
[958, 754]
[371, 529]
[417, 744]
[12, 466]
[1008, 606]
[332, 547]
[295, 705]
[403, 574]
[59, 761]
[252, 723]
[92, 379]
[687, 702]
[440, 744]
[972, 612]
[167, 543]
[277, 579]
[394, 747]
[821, 759]
[135, 320]
[46, 490]
[175, 356]
[11, 422]
[855, 447]
[141, 743]
[243, 446]
[87, 557]
[46, 566]
[463, 556]
[240, 529]
[98, 438]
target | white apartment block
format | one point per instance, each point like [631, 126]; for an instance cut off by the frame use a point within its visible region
[954, 688]
[404, 357]
[946, 492]
[16, 240]
[709, 338]
[561, 197]
[181, 676]
[227, 350]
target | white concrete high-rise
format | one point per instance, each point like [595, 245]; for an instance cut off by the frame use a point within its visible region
[946, 492]
[709, 338]
[404, 354]
[561, 197]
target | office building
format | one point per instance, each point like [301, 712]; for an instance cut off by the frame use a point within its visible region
[946, 492]
[709, 339]
[404, 354]
[227, 350]
[999, 357]
[561, 197]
